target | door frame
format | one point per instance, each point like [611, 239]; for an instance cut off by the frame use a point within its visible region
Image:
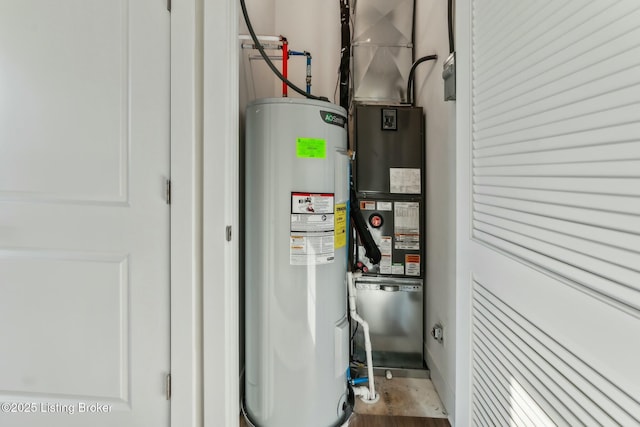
[463, 32]
[205, 187]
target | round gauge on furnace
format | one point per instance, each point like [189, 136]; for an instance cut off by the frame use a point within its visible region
[375, 220]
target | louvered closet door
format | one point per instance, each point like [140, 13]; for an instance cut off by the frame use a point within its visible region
[549, 213]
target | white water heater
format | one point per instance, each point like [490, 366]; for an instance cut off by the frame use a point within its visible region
[297, 193]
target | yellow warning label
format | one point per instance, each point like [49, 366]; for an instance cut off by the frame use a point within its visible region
[341, 225]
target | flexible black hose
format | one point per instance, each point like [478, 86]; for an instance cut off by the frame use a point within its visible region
[450, 23]
[345, 56]
[372, 251]
[256, 42]
[412, 75]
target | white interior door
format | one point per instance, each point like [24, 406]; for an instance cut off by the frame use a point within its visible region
[549, 213]
[84, 224]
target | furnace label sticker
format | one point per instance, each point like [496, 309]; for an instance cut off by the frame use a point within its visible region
[407, 225]
[404, 180]
[412, 263]
[341, 225]
[386, 251]
[311, 148]
[367, 206]
[385, 206]
[313, 225]
[397, 268]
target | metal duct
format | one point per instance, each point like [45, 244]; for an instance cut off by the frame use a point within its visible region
[382, 49]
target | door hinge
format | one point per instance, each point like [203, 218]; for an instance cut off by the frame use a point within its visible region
[228, 233]
[169, 5]
[168, 386]
[168, 191]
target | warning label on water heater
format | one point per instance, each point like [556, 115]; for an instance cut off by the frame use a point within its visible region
[312, 229]
[341, 225]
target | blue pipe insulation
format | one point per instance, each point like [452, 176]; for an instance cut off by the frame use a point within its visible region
[355, 381]
[308, 55]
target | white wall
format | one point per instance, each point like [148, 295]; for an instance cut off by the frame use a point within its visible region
[312, 25]
[262, 15]
[431, 36]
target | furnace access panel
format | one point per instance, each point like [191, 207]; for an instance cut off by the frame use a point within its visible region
[397, 230]
[389, 182]
[389, 146]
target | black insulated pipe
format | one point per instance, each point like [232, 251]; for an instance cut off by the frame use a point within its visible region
[371, 248]
[452, 46]
[410, 97]
[264, 55]
[345, 53]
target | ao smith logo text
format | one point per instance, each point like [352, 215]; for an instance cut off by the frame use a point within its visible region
[333, 118]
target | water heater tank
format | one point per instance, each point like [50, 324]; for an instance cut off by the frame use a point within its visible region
[296, 206]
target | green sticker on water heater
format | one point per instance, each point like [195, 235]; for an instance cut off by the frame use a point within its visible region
[311, 148]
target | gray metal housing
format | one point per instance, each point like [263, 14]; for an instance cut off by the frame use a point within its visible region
[382, 49]
[390, 188]
[381, 145]
[393, 307]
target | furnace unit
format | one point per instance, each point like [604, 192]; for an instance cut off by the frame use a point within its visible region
[389, 178]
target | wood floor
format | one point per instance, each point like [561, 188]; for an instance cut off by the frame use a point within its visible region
[408, 397]
[404, 402]
[360, 420]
